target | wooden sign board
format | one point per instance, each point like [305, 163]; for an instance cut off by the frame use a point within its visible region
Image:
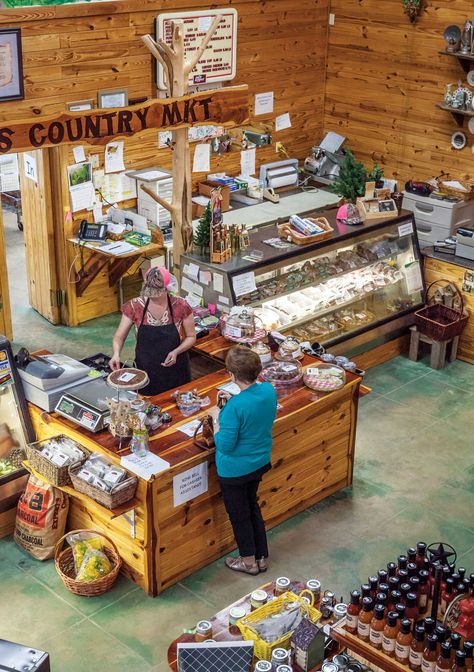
[219, 60]
[226, 107]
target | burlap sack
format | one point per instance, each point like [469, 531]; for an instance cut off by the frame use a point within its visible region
[40, 518]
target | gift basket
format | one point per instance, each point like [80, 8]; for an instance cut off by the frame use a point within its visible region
[89, 564]
[438, 321]
[242, 326]
[52, 458]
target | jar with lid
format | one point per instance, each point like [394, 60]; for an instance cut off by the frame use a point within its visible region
[377, 626]
[365, 618]
[263, 351]
[241, 325]
[282, 585]
[289, 349]
[428, 661]
[390, 633]
[139, 442]
[263, 666]
[416, 649]
[257, 599]
[280, 656]
[402, 645]
[339, 611]
[284, 668]
[353, 610]
[203, 631]
[314, 586]
[235, 614]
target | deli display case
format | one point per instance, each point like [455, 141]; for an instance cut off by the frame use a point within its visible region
[362, 283]
[16, 431]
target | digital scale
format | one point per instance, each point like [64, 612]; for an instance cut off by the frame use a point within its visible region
[86, 404]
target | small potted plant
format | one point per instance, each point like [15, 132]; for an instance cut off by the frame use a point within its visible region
[412, 9]
[350, 183]
[376, 175]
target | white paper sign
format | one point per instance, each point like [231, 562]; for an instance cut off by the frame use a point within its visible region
[193, 271]
[98, 216]
[79, 153]
[247, 162]
[31, 171]
[264, 103]
[405, 229]
[218, 282]
[188, 285]
[282, 122]
[244, 283]
[205, 277]
[126, 377]
[202, 158]
[190, 484]
[145, 467]
[413, 278]
[189, 427]
[82, 197]
[224, 300]
[113, 162]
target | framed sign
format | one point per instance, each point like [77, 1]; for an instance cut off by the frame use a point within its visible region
[112, 98]
[219, 61]
[11, 65]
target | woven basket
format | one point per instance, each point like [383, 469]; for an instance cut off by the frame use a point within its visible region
[122, 493]
[64, 562]
[439, 322]
[287, 232]
[467, 195]
[53, 474]
[263, 650]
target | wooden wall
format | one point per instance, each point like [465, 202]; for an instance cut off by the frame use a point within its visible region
[384, 77]
[71, 52]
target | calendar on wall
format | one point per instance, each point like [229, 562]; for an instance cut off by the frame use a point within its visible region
[219, 60]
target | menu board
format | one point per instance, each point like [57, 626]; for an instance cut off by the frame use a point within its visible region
[219, 60]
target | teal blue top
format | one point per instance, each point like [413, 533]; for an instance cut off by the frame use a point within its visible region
[244, 439]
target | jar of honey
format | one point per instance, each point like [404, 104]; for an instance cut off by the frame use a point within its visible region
[203, 631]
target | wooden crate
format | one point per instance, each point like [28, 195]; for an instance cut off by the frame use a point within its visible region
[363, 651]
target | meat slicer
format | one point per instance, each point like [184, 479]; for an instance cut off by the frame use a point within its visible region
[325, 160]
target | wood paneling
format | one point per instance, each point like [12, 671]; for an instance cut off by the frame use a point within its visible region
[5, 316]
[384, 77]
[71, 52]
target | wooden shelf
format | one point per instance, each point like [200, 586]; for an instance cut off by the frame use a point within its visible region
[365, 651]
[458, 115]
[464, 59]
[111, 513]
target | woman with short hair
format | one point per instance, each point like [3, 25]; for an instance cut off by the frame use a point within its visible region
[243, 438]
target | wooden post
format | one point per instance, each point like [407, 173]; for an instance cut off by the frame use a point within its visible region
[176, 74]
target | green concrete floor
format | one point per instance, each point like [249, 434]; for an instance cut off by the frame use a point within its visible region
[413, 480]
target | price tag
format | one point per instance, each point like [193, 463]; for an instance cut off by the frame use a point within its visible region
[312, 371]
[244, 283]
[126, 377]
[235, 332]
[405, 229]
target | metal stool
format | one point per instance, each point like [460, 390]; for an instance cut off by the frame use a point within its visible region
[438, 348]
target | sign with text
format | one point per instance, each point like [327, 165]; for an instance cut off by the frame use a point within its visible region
[190, 484]
[226, 107]
[219, 60]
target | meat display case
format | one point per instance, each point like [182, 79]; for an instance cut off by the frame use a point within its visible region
[358, 286]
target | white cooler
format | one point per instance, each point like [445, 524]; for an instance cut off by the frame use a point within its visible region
[435, 219]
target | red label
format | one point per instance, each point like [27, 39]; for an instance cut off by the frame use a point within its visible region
[33, 506]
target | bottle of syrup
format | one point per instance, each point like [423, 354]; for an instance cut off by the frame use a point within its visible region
[390, 633]
[402, 646]
[428, 661]
[416, 649]
[377, 626]
[353, 609]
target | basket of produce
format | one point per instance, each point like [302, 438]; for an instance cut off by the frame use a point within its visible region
[324, 377]
[104, 482]
[89, 564]
[52, 458]
[282, 373]
[438, 321]
[272, 625]
[461, 189]
[242, 326]
[303, 231]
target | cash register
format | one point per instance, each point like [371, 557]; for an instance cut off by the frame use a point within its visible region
[465, 242]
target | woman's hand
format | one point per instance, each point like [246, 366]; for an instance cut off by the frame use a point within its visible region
[214, 413]
[222, 398]
[114, 363]
[171, 358]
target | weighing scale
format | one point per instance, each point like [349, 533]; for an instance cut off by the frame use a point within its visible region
[86, 404]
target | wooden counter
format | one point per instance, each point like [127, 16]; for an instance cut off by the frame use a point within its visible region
[313, 457]
[439, 266]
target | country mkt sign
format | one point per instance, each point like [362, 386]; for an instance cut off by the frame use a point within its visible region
[224, 107]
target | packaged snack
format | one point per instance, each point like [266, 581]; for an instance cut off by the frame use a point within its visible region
[80, 543]
[95, 565]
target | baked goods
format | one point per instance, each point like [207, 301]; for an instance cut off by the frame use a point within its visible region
[263, 351]
[128, 379]
[324, 377]
[289, 349]
[241, 326]
[282, 373]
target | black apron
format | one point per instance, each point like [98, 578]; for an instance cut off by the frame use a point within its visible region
[153, 345]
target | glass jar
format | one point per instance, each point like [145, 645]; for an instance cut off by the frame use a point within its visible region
[290, 349]
[139, 443]
[240, 326]
[263, 351]
[282, 373]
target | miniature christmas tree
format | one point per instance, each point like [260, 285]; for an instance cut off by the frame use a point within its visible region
[203, 231]
[352, 178]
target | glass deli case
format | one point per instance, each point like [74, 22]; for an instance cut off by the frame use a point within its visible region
[332, 292]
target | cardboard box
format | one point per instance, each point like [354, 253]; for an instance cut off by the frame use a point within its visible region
[206, 187]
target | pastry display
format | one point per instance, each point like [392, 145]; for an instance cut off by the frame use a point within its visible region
[324, 377]
[263, 351]
[289, 349]
[282, 373]
[128, 379]
[241, 326]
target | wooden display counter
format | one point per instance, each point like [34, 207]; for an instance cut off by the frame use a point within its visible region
[439, 266]
[313, 457]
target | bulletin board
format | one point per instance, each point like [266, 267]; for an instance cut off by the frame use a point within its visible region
[219, 61]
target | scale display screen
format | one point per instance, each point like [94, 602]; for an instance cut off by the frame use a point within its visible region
[79, 413]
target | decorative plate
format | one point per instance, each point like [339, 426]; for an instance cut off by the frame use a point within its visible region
[471, 125]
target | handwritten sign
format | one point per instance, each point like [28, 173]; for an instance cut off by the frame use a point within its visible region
[227, 106]
[190, 484]
[219, 60]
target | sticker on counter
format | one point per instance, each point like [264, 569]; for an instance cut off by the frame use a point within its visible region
[6, 377]
[190, 484]
[244, 283]
[405, 229]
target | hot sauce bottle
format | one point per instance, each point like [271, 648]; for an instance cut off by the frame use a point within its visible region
[400, 609]
[373, 583]
[461, 588]
[365, 617]
[444, 659]
[471, 584]
[415, 585]
[460, 662]
[391, 569]
[462, 573]
[411, 554]
[377, 626]
[442, 635]
[455, 642]
[402, 563]
[365, 590]
[405, 588]
[394, 582]
[430, 625]
[412, 569]
[402, 646]
[383, 576]
[411, 610]
[390, 632]
[420, 554]
[393, 599]
[468, 650]
[353, 609]
[424, 591]
[416, 648]
[428, 662]
[381, 598]
[447, 594]
[403, 575]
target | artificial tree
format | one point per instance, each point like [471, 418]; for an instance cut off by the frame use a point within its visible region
[202, 236]
[350, 184]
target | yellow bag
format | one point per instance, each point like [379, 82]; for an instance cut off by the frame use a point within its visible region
[95, 565]
[80, 543]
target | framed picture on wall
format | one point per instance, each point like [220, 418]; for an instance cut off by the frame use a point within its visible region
[80, 105]
[11, 65]
[112, 98]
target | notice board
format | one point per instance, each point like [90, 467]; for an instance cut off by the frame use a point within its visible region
[219, 61]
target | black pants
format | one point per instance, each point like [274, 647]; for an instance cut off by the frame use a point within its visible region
[240, 499]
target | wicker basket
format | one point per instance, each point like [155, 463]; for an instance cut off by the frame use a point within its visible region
[439, 322]
[122, 493]
[467, 195]
[287, 232]
[263, 650]
[55, 475]
[64, 562]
